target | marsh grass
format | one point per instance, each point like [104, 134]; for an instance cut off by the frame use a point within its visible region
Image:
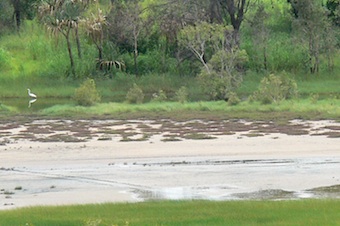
[298, 212]
[301, 108]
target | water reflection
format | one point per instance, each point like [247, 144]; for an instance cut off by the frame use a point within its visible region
[22, 106]
[31, 102]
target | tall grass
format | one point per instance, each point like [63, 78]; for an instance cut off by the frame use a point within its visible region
[302, 212]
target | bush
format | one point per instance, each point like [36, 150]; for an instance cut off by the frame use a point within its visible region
[182, 95]
[160, 96]
[275, 88]
[224, 73]
[87, 93]
[135, 95]
[233, 99]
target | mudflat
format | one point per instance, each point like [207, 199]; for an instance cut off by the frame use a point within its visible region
[57, 162]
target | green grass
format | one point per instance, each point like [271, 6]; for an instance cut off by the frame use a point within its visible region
[301, 108]
[299, 212]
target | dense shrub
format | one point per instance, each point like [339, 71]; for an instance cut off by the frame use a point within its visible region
[87, 93]
[135, 95]
[275, 88]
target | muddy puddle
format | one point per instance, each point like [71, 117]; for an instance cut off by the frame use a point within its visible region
[223, 194]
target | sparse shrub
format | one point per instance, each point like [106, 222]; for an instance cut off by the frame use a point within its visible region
[275, 88]
[233, 99]
[87, 94]
[182, 95]
[135, 95]
[4, 59]
[314, 97]
[160, 96]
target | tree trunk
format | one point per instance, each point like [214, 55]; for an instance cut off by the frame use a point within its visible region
[17, 13]
[78, 41]
[67, 36]
[135, 55]
[236, 14]
[265, 58]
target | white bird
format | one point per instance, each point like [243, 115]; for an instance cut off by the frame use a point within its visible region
[31, 102]
[31, 94]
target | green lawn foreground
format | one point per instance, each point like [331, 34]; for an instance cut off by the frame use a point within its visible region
[293, 212]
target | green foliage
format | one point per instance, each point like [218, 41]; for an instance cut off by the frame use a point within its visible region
[156, 61]
[159, 97]
[4, 59]
[87, 94]
[233, 99]
[275, 88]
[223, 75]
[135, 95]
[182, 95]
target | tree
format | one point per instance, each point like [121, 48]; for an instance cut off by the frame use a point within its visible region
[126, 25]
[198, 38]
[62, 16]
[260, 33]
[333, 6]
[312, 24]
[235, 10]
[220, 74]
[13, 12]
[169, 17]
[6, 13]
[94, 26]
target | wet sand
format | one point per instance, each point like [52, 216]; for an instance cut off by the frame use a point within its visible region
[107, 167]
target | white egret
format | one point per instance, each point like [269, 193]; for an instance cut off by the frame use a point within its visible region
[31, 102]
[31, 94]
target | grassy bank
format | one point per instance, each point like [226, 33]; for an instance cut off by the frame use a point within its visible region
[210, 110]
[304, 109]
[301, 212]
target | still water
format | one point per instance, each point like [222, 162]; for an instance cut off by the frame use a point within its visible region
[34, 105]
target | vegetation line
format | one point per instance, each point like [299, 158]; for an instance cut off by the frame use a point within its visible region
[298, 212]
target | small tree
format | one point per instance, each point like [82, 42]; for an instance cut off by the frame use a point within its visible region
[312, 23]
[221, 72]
[224, 76]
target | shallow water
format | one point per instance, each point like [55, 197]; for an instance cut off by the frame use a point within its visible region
[230, 167]
[23, 104]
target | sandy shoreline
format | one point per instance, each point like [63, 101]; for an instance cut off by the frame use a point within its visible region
[231, 166]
